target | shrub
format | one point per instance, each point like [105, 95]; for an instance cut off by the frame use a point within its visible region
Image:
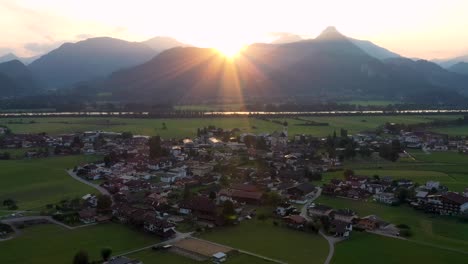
[406, 233]
[403, 226]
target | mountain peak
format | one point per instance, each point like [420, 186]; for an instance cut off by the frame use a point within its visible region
[331, 33]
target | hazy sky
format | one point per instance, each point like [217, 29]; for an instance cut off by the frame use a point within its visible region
[414, 28]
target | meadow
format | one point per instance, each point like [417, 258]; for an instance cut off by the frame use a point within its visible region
[33, 183]
[187, 127]
[153, 257]
[272, 241]
[449, 168]
[48, 243]
[369, 248]
[427, 228]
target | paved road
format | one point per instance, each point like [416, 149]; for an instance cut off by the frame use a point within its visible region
[41, 217]
[307, 204]
[95, 186]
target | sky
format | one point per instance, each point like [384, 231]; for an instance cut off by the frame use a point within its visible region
[425, 29]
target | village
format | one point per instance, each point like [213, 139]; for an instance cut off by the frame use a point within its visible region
[222, 177]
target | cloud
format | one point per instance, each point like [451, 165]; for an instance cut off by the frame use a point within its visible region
[284, 37]
[40, 48]
[4, 51]
[83, 36]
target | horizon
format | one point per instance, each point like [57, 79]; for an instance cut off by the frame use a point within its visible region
[422, 29]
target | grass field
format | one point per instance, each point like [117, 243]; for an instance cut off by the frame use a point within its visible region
[447, 167]
[36, 182]
[453, 131]
[439, 230]
[44, 244]
[368, 248]
[179, 128]
[272, 241]
[371, 102]
[153, 257]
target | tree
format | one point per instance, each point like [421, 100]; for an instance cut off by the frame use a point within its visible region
[402, 194]
[348, 173]
[155, 147]
[187, 193]
[212, 195]
[272, 198]
[104, 202]
[164, 127]
[262, 217]
[107, 161]
[81, 257]
[106, 253]
[127, 135]
[228, 209]
[223, 181]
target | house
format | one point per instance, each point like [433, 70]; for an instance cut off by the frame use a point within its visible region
[320, 211]
[345, 215]
[219, 257]
[201, 207]
[448, 204]
[342, 229]
[242, 193]
[214, 142]
[160, 227]
[367, 223]
[432, 185]
[386, 198]
[295, 221]
[301, 191]
[87, 216]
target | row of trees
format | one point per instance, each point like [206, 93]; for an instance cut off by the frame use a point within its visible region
[82, 257]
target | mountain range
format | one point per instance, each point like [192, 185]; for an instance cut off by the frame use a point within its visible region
[162, 69]
[11, 56]
[16, 79]
[329, 66]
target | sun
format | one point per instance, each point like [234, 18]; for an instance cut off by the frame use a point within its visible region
[230, 51]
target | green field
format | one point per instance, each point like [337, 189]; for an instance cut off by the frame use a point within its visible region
[438, 230]
[447, 167]
[180, 127]
[36, 182]
[272, 241]
[369, 248]
[453, 131]
[371, 102]
[53, 244]
[153, 257]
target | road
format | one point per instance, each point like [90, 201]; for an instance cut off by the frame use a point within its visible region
[95, 186]
[307, 204]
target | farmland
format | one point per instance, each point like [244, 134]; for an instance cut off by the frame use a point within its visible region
[37, 182]
[49, 243]
[187, 127]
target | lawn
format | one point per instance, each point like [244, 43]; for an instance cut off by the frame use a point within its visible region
[453, 131]
[371, 102]
[53, 244]
[369, 248]
[187, 127]
[272, 241]
[153, 257]
[34, 183]
[447, 231]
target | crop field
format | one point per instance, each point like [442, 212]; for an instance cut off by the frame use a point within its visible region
[36, 182]
[187, 127]
[43, 244]
[369, 248]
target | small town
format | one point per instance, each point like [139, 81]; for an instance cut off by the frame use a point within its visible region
[175, 189]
